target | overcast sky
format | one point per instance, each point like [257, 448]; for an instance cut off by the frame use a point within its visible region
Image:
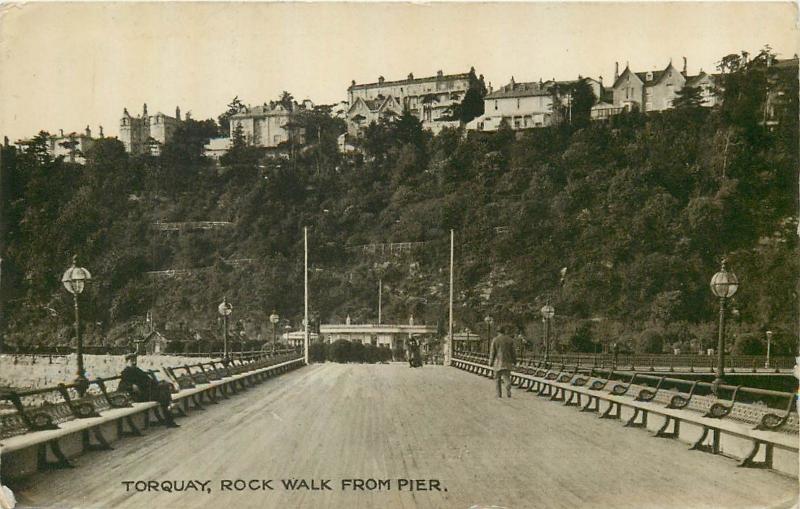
[63, 66]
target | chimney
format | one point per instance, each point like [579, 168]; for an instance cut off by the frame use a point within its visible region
[616, 71]
[144, 110]
[439, 73]
[601, 81]
[489, 88]
[684, 67]
[101, 131]
[88, 132]
[411, 76]
[177, 112]
[61, 132]
[353, 83]
[381, 80]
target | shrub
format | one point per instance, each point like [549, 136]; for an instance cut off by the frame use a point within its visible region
[650, 341]
[317, 352]
[339, 351]
[750, 344]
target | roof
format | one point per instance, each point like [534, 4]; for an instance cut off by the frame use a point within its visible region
[376, 104]
[262, 111]
[372, 328]
[530, 89]
[655, 76]
[443, 77]
[786, 63]
[692, 81]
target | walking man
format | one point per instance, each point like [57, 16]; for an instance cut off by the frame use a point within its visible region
[502, 359]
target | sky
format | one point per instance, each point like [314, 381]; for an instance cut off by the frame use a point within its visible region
[66, 65]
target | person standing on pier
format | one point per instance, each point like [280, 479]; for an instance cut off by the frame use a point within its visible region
[502, 359]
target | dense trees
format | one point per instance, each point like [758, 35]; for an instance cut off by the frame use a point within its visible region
[639, 210]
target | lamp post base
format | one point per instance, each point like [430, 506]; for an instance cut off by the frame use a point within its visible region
[715, 385]
[81, 384]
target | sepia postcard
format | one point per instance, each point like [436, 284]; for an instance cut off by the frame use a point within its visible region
[506, 255]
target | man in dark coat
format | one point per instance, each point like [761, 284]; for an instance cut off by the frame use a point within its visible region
[502, 359]
[144, 387]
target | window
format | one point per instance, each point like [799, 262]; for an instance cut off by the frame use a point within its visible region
[495, 105]
[517, 102]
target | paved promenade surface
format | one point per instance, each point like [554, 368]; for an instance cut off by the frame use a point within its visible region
[392, 422]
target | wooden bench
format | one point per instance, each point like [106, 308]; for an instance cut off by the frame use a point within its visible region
[92, 422]
[570, 384]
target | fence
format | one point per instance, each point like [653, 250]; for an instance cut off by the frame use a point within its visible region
[668, 362]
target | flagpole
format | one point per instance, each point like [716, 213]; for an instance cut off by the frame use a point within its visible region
[305, 274]
[449, 347]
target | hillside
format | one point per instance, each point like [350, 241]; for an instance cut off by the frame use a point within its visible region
[638, 210]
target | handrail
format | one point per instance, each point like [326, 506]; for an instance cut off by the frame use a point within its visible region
[659, 381]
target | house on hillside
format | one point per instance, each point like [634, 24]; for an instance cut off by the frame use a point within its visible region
[707, 84]
[431, 99]
[529, 105]
[269, 125]
[145, 133]
[71, 146]
[363, 112]
[521, 105]
[655, 90]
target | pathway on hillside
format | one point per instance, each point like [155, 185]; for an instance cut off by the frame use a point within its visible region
[336, 421]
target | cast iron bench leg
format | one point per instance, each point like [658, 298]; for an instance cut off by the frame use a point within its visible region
[608, 414]
[632, 421]
[61, 460]
[134, 430]
[713, 448]
[101, 445]
[574, 399]
[676, 428]
[592, 408]
[749, 461]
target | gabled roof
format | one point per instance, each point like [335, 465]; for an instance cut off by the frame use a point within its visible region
[376, 105]
[692, 81]
[529, 89]
[648, 78]
[626, 72]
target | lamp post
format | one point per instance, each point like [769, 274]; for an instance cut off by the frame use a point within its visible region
[548, 312]
[489, 320]
[225, 310]
[274, 318]
[769, 344]
[723, 284]
[74, 279]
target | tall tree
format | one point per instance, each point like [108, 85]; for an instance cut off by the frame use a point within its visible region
[224, 120]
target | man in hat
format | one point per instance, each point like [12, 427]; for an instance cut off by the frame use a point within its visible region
[502, 359]
[144, 387]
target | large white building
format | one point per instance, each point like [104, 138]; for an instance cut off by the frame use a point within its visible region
[430, 99]
[527, 105]
[385, 335]
[145, 133]
[268, 125]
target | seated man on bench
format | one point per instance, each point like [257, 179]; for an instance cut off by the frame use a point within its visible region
[144, 387]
